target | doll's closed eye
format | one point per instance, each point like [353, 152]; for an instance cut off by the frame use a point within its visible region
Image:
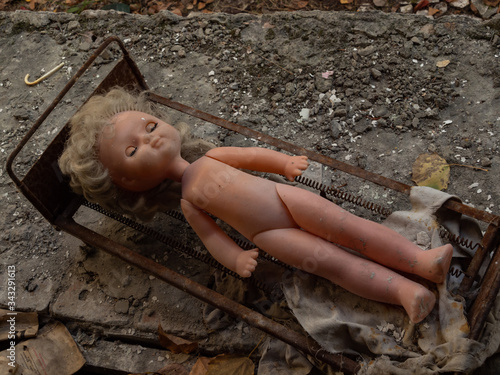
[151, 126]
[130, 151]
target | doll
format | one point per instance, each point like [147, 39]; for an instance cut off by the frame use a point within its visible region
[135, 152]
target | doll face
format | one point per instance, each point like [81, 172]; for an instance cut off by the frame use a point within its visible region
[138, 150]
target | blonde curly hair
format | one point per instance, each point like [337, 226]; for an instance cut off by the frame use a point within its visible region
[88, 177]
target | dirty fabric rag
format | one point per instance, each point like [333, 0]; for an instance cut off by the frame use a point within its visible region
[382, 334]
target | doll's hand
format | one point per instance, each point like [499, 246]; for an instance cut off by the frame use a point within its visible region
[295, 166]
[246, 262]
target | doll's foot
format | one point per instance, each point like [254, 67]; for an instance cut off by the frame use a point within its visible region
[418, 303]
[434, 263]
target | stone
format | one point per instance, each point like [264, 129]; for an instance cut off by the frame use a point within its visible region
[366, 51]
[405, 9]
[322, 84]
[304, 114]
[459, 3]
[362, 126]
[335, 129]
[73, 25]
[121, 306]
[380, 3]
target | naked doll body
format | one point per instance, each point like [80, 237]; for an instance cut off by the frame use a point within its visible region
[294, 225]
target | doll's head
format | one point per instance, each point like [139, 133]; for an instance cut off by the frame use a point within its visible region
[88, 176]
[140, 151]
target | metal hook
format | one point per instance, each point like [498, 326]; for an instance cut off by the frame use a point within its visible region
[46, 75]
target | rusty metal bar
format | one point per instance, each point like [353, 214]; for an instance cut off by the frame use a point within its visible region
[297, 340]
[490, 287]
[487, 243]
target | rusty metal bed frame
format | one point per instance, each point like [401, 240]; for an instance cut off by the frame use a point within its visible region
[50, 194]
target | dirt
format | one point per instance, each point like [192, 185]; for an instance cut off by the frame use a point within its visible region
[372, 89]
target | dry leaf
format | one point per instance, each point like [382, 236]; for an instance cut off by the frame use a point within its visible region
[176, 344]
[177, 11]
[421, 5]
[302, 4]
[228, 364]
[442, 63]
[431, 170]
[433, 11]
[200, 367]
[346, 1]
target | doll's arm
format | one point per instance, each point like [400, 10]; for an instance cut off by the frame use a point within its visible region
[218, 243]
[260, 159]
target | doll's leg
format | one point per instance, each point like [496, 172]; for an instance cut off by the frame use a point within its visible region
[327, 220]
[358, 275]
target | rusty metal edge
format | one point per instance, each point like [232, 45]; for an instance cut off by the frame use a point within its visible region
[490, 286]
[303, 343]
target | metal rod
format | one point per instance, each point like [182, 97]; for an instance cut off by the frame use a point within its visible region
[45, 76]
[488, 243]
[299, 341]
[486, 298]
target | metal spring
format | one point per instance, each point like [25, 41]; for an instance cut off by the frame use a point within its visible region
[445, 234]
[176, 215]
[172, 242]
[343, 195]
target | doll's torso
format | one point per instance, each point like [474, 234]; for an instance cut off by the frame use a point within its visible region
[249, 204]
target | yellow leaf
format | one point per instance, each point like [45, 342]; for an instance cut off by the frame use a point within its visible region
[431, 170]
